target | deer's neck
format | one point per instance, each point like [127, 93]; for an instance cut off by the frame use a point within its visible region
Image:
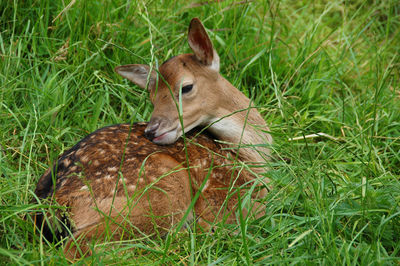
[236, 121]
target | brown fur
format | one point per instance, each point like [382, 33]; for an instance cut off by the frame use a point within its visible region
[116, 180]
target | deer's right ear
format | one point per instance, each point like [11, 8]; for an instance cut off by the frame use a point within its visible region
[201, 45]
[138, 74]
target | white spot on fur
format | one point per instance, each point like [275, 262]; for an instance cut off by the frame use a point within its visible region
[132, 187]
[66, 162]
[84, 188]
[206, 185]
[112, 169]
[108, 177]
[84, 159]
[63, 182]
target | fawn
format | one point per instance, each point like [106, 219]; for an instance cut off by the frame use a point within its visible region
[143, 177]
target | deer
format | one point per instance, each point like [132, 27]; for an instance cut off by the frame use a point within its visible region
[188, 164]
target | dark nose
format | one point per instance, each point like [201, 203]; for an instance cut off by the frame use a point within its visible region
[150, 131]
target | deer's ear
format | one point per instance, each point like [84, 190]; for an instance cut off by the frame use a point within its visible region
[201, 45]
[138, 74]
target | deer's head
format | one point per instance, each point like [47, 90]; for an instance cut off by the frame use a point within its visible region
[194, 76]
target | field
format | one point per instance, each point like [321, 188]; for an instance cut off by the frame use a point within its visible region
[324, 74]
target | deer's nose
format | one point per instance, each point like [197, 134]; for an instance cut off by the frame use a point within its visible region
[151, 129]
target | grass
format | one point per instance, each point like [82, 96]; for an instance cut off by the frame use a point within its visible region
[329, 67]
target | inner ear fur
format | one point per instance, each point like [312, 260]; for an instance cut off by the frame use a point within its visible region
[201, 45]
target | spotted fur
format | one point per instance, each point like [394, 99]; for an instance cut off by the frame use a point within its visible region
[128, 165]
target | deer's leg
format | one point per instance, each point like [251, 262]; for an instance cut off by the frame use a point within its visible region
[219, 203]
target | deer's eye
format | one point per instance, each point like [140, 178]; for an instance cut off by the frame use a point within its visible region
[187, 88]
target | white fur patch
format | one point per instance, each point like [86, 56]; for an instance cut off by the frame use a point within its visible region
[206, 185]
[112, 169]
[225, 128]
[132, 187]
[215, 62]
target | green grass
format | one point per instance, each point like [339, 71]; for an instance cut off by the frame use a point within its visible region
[311, 67]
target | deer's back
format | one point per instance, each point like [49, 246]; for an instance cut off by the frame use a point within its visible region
[99, 157]
[115, 163]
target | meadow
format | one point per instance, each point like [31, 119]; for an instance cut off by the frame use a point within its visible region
[324, 74]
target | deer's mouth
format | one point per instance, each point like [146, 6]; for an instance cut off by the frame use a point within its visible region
[167, 137]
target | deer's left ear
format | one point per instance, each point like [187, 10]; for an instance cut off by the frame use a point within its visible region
[202, 45]
[138, 74]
